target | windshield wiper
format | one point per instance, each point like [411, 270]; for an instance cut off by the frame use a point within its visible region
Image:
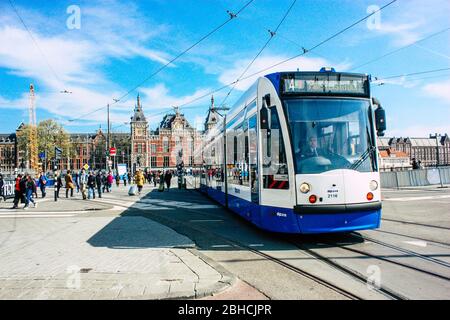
[362, 158]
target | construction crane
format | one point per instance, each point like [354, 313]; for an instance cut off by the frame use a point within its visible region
[33, 144]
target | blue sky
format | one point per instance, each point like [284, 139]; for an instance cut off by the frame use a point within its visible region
[120, 43]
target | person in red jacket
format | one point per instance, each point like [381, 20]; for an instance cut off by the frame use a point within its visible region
[18, 191]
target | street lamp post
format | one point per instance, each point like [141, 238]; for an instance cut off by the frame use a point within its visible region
[436, 136]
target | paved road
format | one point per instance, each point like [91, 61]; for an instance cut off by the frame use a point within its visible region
[407, 258]
[76, 249]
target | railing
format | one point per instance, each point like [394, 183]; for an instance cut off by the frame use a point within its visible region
[415, 178]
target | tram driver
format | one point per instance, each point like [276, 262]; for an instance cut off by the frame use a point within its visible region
[312, 150]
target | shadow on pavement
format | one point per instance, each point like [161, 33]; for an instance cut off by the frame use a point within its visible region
[149, 222]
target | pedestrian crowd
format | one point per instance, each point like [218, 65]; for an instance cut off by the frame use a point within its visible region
[89, 183]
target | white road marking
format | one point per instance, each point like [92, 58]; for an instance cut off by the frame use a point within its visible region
[418, 243]
[36, 216]
[256, 245]
[417, 198]
[221, 246]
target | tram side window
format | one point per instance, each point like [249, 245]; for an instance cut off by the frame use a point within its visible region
[275, 169]
[235, 164]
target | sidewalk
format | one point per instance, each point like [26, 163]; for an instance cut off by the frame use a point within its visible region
[49, 205]
[101, 254]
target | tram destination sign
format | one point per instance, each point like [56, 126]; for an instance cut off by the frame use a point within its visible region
[325, 84]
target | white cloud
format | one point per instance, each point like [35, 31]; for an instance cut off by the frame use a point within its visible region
[301, 63]
[439, 90]
[73, 60]
[159, 97]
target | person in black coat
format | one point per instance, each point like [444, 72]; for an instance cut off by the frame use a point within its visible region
[91, 185]
[98, 182]
[168, 179]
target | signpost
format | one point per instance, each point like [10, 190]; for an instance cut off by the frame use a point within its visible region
[112, 152]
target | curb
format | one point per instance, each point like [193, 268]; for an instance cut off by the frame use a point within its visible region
[227, 278]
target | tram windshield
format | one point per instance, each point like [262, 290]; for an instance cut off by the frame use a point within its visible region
[330, 134]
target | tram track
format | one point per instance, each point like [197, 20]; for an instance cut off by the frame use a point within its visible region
[390, 293]
[439, 244]
[355, 275]
[403, 250]
[183, 225]
[415, 223]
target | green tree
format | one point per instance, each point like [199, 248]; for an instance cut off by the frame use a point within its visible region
[50, 134]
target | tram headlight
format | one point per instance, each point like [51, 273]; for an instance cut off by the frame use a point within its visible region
[305, 187]
[373, 185]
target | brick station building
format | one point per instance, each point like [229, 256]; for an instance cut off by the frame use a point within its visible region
[173, 141]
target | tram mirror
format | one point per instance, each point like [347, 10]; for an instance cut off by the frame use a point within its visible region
[380, 121]
[380, 117]
[264, 117]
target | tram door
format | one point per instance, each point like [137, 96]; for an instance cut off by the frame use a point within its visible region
[253, 159]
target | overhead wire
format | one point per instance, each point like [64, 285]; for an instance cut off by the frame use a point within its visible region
[305, 51]
[401, 48]
[410, 74]
[232, 16]
[34, 41]
[272, 35]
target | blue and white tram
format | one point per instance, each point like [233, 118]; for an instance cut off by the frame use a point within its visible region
[297, 154]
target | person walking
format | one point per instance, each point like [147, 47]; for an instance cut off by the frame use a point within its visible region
[69, 184]
[110, 180]
[129, 177]
[83, 183]
[125, 178]
[30, 189]
[139, 180]
[76, 178]
[168, 179]
[117, 180]
[91, 185]
[154, 178]
[17, 191]
[42, 183]
[98, 183]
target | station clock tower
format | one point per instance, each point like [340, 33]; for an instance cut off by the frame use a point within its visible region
[139, 138]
